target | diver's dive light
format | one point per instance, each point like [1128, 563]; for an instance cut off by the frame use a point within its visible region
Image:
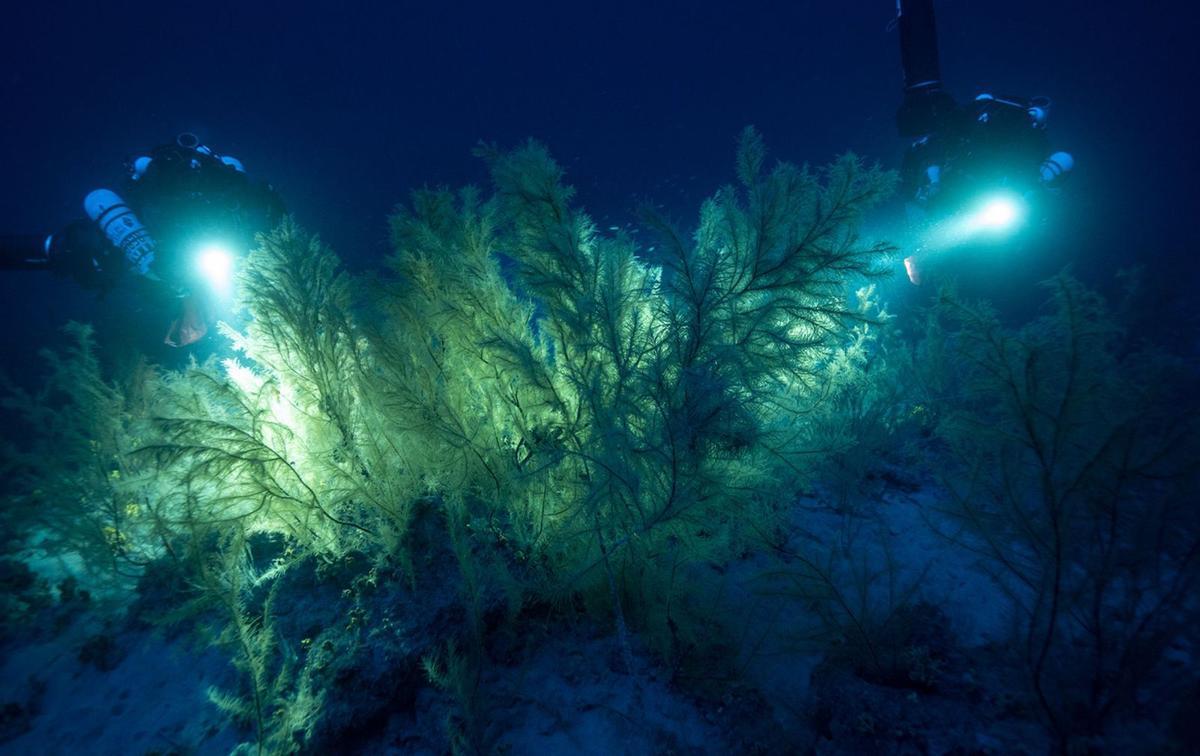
[992, 218]
[214, 262]
[997, 214]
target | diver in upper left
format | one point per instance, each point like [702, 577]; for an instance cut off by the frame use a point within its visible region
[164, 243]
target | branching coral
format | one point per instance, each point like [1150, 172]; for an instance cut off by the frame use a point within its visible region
[1076, 459]
[627, 416]
[603, 421]
[288, 443]
[78, 497]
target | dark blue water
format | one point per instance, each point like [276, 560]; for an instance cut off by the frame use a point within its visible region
[347, 110]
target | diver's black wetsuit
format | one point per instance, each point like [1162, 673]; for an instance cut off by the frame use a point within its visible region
[993, 141]
[926, 107]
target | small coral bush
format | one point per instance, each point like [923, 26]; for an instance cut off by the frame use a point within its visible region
[1073, 458]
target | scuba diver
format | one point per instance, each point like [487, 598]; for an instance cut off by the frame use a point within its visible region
[998, 142]
[172, 231]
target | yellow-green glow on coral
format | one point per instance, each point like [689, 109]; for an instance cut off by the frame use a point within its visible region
[243, 376]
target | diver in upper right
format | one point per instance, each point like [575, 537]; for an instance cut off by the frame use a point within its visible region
[958, 150]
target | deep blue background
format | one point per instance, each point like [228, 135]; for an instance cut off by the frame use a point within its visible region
[346, 107]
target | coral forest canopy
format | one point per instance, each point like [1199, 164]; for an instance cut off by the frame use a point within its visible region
[582, 424]
[591, 403]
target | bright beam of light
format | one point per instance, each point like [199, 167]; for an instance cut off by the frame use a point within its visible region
[999, 213]
[215, 264]
[992, 218]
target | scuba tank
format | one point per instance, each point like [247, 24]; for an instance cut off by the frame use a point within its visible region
[123, 229]
[1055, 168]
